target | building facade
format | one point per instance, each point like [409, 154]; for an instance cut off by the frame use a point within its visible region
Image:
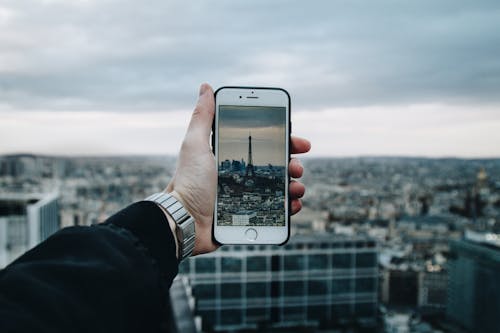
[474, 288]
[313, 281]
[25, 221]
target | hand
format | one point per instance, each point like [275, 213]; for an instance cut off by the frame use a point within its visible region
[195, 180]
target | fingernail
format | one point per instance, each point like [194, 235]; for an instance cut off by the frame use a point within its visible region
[203, 88]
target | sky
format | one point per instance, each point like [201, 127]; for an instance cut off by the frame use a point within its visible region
[385, 77]
[266, 126]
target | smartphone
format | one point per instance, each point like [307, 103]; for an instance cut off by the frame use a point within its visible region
[251, 142]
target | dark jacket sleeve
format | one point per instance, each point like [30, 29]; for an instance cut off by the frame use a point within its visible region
[112, 277]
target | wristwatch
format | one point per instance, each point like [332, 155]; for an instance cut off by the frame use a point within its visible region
[185, 223]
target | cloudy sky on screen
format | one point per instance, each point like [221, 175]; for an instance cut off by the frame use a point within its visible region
[419, 78]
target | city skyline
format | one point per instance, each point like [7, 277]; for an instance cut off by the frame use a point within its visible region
[419, 219]
[398, 79]
[266, 126]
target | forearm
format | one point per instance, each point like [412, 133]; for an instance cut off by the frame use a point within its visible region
[110, 277]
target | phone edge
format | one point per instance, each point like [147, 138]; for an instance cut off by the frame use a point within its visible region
[289, 157]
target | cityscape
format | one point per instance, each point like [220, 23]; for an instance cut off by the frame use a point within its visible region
[382, 244]
[250, 195]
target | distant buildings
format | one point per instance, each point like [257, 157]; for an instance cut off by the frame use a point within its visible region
[313, 281]
[412, 206]
[25, 221]
[474, 285]
[244, 218]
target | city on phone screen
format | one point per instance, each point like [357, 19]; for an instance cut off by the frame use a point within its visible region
[252, 163]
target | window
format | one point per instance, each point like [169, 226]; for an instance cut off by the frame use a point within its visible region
[204, 291]
[366, 260]
[318, 261]
[342, 260]
[340, 312]
[276, 263]
[294, 263]
[256, 289]
[365, 285]
[294, 288]
[204, 265]
[317, 287]
[293, 312]
[230, 290]
[341, 286]
[230, 264]
[257, 314]
[256, 264]
[230, 317]
[317, 313]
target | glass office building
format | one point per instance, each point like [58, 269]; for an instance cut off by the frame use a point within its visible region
[474, 287]
[25, 221]
[313, 281]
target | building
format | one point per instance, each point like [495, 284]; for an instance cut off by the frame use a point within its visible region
[244, 217]
[25, 221]
[317, 280]
[179, 315]
[432, 287]
[400, 286]
[225, 165]
[474, 288]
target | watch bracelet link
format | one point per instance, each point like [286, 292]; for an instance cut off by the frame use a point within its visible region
[185, 226]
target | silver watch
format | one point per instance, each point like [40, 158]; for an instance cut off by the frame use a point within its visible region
[185, 223]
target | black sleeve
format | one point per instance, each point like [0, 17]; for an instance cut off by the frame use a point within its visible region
[112, 277]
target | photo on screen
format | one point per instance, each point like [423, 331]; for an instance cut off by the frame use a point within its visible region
[251, 166]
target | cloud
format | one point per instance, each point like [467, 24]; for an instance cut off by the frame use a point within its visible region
[249, 117]
[365, 77]
[125, 55]
[432, 130]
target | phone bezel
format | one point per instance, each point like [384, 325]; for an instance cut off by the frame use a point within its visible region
[267, 96]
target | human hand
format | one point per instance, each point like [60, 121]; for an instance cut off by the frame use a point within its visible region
[195, 180]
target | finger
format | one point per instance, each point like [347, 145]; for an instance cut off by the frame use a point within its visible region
[296, 189]
[300, 145]
[296, 206]
[203, 114]
[295, 169]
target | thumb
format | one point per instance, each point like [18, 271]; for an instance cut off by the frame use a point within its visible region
[203, 114]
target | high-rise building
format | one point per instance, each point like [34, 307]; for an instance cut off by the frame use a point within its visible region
[474, 287]
[25, 221]
[313, 281]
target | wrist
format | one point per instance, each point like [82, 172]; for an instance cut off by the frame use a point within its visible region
[180, 222]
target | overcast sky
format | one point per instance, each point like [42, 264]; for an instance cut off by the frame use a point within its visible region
[266, 126]
[366, 77]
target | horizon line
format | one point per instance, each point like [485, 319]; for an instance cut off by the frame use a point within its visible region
[306, 156]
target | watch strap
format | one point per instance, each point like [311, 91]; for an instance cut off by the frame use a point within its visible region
[185, 230]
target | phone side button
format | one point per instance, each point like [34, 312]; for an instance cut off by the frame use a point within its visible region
[251, 234]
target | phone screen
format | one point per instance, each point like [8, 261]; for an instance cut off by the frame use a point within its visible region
[251, 165]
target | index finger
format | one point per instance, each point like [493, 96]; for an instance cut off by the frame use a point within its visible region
[300, 145]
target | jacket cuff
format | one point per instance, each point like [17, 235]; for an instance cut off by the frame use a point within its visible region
[146, 221]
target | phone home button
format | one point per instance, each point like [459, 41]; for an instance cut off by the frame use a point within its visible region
[251, 234]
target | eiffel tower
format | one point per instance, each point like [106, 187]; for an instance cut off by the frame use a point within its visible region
[250, 172]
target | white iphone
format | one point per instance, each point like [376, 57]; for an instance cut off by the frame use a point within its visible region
[251, 142]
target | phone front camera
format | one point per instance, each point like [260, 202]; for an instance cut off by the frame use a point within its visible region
[240, 96]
